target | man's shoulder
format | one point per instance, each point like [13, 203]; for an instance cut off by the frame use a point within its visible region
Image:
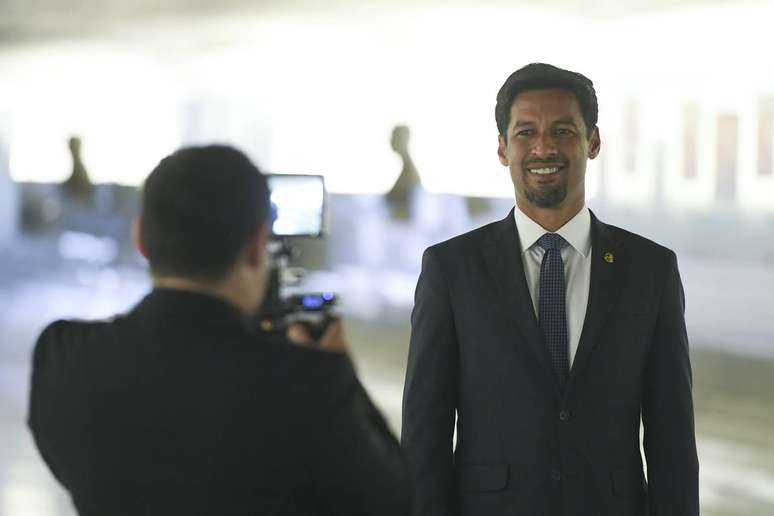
[67, 328]
[70, 334]
[636, 242]
[267, 363]
[645, 254]
[64, 337]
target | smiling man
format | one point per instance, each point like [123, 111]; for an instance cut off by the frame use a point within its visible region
[549, 336]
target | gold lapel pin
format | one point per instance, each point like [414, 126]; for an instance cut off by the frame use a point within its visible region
[609, 258]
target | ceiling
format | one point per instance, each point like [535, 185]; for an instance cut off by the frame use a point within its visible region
[26, 21]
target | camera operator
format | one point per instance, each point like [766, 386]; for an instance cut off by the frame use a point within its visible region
[178, 407]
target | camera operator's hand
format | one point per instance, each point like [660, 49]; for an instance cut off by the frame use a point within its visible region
[332, 339]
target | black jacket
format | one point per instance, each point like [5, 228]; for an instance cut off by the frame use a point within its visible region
[176, 408]
[523, 447]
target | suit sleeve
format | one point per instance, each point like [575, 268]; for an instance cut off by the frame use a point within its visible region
[359, 468]
[430, 394]
[667, 411]
[44, 407]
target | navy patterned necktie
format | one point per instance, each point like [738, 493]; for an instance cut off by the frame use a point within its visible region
[552, 310]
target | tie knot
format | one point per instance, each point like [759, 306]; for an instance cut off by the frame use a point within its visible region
[551, 241]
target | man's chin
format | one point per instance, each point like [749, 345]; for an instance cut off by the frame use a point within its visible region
[549, 198]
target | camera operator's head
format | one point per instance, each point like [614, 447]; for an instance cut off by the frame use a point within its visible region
[204, 224]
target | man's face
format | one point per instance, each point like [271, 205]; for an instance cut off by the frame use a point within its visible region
[546, 147]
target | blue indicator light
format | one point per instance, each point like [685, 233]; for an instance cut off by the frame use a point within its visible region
[328, 296]
[312, 302]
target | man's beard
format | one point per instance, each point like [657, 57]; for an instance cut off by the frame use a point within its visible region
[545, 196]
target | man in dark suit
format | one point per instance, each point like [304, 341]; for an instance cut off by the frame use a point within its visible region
[548, 335]
[178, 407]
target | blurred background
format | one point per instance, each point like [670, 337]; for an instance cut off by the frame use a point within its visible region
[393, 103]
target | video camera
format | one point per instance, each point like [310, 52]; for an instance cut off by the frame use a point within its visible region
[297, 211]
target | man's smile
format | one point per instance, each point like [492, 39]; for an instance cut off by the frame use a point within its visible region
[544, 169]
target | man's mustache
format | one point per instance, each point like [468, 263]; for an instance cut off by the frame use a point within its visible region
[553, 160]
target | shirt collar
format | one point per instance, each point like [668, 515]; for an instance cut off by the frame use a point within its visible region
[196, 308]
[577, 231]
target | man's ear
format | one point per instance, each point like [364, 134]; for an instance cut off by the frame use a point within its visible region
[594, 143]
[256, 253]
[137, 237]
[502, 146]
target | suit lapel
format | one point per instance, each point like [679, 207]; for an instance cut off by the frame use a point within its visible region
[608, 265]
[502, 255]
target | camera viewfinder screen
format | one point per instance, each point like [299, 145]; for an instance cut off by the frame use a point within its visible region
[297, 203]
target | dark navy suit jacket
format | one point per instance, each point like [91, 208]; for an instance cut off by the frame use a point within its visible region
[523, 447]
[177, 409]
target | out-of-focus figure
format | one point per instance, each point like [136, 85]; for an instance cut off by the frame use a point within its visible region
[477, 205]
[399, 197]
[78, 186]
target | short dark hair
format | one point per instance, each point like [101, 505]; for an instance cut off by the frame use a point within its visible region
[539, 76]
[201, 206]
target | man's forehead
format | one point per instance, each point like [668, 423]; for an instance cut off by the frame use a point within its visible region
[552, 102]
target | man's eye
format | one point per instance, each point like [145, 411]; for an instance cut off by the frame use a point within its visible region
[525, 132]
[564, 131]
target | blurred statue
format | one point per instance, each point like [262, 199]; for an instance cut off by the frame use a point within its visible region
[78, 186]
[477, 206]
[399, 197]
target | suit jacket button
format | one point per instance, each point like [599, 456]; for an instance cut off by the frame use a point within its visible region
[556, 475]
[564, 415]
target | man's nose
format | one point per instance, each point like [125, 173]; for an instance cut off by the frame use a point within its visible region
[544, 145]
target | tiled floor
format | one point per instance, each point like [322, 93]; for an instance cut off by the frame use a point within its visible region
[734, 395]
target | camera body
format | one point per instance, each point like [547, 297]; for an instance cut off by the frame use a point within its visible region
[298, 211]
[313, 310]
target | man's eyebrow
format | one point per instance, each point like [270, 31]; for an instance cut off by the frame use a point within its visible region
[522, 123]
[568, 121]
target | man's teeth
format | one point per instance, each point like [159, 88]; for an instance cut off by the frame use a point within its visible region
[542, 171]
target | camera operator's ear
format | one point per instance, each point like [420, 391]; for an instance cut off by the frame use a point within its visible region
[137, 237]
[257, 254]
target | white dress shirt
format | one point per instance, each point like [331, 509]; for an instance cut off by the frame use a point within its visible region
[577, 266]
